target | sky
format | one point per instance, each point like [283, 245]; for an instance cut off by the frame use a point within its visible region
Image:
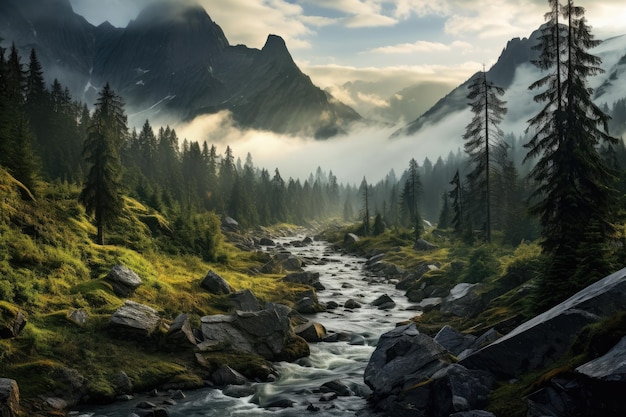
[335, 41]
[389, 44]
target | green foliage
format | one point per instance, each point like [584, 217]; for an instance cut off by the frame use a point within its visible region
[482, 264]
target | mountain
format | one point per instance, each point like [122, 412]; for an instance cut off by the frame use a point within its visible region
[514, 72]
[173, 62]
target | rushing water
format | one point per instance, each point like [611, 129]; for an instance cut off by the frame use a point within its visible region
[344, 277]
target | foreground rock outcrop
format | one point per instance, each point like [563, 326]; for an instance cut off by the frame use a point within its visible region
[9, 398]
[411, 374]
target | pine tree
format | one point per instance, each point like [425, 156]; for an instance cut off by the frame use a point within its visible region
[366, 207]
[484, 139]
[410, 196]
[102, 192]
[457, 204]
[573, 197]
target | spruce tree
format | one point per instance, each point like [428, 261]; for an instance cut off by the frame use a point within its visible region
[484, 140]
[457, 204]
[102, 192]
[410, 196]
[573, 197]
[365, 193]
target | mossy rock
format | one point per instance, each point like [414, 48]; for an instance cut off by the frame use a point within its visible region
[12, 320]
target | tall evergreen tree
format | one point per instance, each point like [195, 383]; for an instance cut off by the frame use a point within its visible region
[573, 197]
[484, 139]
[457, 204]
[102, 192]
[365, 193]
[410, 197]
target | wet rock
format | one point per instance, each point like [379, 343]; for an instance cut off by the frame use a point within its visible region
[308, 303]
[121, 383]
[215, 284]
[357, 340]
[337, 387]
[280, 403]
[12, 321]
[384, 302]
[267, 333]
[239, 391]
[244, 300]
[226, 375]
[264, 241]
[9, 398]
[403, 357]
[455, 342]
[311, 331]
[123, 280]
[283, 262]
[55, 403]
[338, 337]
[542, 340]
[180, 335]
[352, 304]
[374, 259]
[463, 301]
[134, 321]
[331, 305]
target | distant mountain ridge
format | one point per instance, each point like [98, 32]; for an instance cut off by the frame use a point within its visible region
[174, 60]
[514, 72]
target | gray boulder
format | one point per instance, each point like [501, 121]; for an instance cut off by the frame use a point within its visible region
[337, 387]
[455, 342]
[226, 375]
[229, 224]
[180, 335]
[429, 304]
[215, 284]
[463, 301]
[267, 333]
[412, 278]
[311, 331]
[423, 245]
[304, 277]
[265, 241]
[610, 367]
[456, 388]
[12, 321]
[542, 340]
[123, 280]
[282, 262]
[244, 300]
[9, 398]
[78, 316]
[384, 302]
[403, 357]
[308, 303]
[351, 304]
[134, 321]
[350, 239]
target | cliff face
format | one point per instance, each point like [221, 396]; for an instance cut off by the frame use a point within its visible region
[174, 60]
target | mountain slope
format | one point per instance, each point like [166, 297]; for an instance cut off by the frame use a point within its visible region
[174, 62]
[515, 72]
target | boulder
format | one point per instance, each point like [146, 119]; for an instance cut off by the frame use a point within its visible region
[244, 300]
[337, 387]
[12, 321]
[78, 316]
[455, 342]
[386, 269]
[412, 278]
[350, 239]
[429, 304]
[351, 304]
[283, 262]
[135, 321]
[226, 375]
[610, 367]
[215, 284]
[456, 388]
[403, 357]
[180, 335]
[541, 341]
[121, 383]
[311, 331]
[123, 280]
[376, 258]
[463, 301]
[304, 277]
[265, 241]
[384, 302]
[267, 333]
[423, 245]
[9, 398]
[308, 303]
[230, 224]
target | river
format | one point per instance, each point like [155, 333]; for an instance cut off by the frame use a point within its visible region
[345, 278]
